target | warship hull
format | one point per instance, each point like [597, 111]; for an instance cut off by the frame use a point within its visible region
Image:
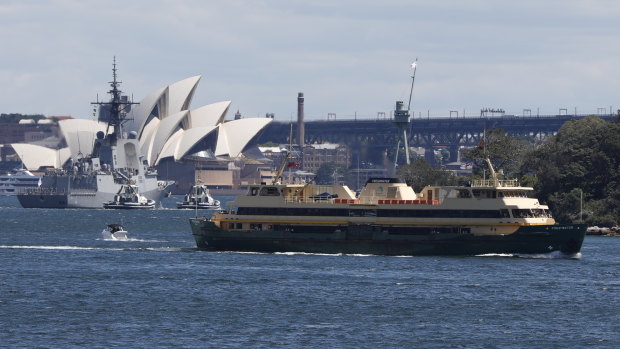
[68, 192]
[83, 199]
[377, 240]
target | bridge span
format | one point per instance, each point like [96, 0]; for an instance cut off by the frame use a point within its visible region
[370, 139]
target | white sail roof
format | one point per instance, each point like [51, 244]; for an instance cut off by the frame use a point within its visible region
[190, 138]
[165, 125]
[164, 130]
[139, 113]
[35, 156]
[80, 135]
[170, 147]
[147, 134]
[234, 135]
[209, 115]
[180, 95]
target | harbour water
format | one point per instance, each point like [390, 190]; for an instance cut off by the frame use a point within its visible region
[64, 286]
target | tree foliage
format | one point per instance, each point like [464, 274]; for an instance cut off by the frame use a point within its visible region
[14, 118]
[584, 157]
[506, 153]
[420, 173]
[330, 173]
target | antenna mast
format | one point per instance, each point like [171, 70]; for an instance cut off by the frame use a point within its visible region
[118, 104]
[401, 118]
[414, 65]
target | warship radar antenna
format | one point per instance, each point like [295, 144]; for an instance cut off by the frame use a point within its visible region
[117, 107]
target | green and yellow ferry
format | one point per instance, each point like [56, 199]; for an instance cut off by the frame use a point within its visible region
[389, 218]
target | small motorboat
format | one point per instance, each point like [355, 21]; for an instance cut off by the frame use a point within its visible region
[198, 197]
[114, 232]
[128, 197]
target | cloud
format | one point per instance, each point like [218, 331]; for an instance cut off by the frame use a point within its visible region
[347, 56]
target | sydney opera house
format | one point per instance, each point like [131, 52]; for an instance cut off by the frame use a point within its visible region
[169, 134]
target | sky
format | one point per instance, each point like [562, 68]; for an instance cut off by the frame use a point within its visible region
[350, 58]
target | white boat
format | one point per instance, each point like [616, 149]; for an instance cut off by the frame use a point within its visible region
[198, 197]
[19, 179]
[114, 232]
[128, 197]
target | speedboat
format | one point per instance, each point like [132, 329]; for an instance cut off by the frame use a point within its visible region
[128, 197]
[114, 232]
[198, 198]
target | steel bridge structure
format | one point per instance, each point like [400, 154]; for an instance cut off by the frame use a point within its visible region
[369, 138]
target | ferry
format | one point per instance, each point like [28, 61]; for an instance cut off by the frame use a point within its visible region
[389, 218]
[18, 180]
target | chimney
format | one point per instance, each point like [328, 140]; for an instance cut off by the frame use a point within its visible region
[300, 120]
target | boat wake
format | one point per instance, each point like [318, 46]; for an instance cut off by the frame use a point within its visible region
[52, 247]
[107, 236]
[551, 255]
[112, 238]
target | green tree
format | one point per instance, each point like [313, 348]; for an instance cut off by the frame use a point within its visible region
[420, 173]
[330, 173]
[584, 157]
[14, 118]
[506, 153]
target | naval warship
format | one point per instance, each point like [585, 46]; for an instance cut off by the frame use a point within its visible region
[92, 180]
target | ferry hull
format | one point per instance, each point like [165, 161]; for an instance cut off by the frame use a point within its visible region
[368, 239]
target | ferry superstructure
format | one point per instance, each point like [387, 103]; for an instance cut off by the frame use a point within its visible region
[388, 218]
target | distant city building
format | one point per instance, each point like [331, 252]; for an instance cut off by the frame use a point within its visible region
[315, 155]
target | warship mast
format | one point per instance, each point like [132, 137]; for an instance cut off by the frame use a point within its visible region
[117, 106]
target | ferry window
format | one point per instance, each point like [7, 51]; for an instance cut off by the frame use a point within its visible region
[269, 191]
[362, 213]
[463, 193]
[505, 213]
[484, 194]
[522, 213]
[238, 225]
[489, 194]
[440, 213]
[254, 191]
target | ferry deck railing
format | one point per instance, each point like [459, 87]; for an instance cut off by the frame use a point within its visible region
[491, 183]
